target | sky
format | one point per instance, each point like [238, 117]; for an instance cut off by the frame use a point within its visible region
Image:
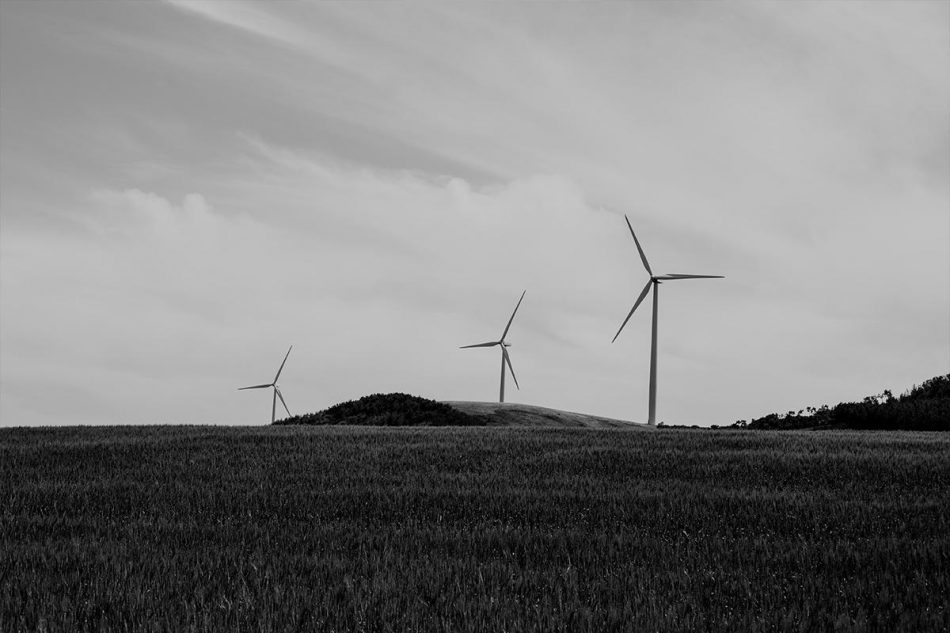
[189, 188]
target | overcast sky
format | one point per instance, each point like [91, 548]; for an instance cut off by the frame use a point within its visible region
[187, 189]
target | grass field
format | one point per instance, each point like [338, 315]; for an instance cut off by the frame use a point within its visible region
[472, 529]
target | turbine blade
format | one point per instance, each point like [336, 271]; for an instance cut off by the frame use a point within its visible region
[504, 353]
[678, 276]
[643, 257]
[491, 344]
[256, 387]
[636, 305]
[282, 364]
[279, 395]
[505, 333]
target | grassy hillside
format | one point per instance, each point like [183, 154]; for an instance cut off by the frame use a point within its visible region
[513, 414]
[924, 407]
[472, 529]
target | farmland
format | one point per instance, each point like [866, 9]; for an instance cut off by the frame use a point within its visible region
[472, 529]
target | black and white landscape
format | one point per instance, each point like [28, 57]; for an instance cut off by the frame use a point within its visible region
[241, 244]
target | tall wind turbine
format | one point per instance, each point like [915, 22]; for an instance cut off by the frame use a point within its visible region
[654, 283]
[273, 410]
[505, 360]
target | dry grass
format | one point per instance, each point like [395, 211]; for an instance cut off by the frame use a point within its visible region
[517, 415]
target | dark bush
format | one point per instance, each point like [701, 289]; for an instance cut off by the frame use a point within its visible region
[389, 409]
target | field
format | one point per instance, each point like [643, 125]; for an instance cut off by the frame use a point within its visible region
[472, 529]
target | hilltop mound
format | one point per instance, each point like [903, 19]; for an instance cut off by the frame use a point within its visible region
[511, 414]
[400, 409]
[389, 409]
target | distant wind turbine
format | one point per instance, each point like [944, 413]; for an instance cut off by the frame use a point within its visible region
[505, 360]
[273, 410]
[654, 282]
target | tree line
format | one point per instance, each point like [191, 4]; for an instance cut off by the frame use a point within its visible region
[924, 407]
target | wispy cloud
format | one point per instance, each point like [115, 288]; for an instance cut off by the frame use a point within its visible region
[247, 16]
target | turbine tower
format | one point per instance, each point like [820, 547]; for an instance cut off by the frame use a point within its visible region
[654, 283]
[505, 360]
[273, 410]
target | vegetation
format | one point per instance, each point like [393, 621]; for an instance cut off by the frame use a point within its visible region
[389, 409]
[472, 529]
[924, 407]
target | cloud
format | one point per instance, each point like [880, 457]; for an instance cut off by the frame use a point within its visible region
[387, 263]
[377, 276]
[377, 186]
[247, 17]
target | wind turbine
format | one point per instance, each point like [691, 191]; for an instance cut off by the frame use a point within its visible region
[654, 283]
[505, 360]
[273, 410]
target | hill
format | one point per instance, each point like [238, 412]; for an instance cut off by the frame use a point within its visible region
[924, 407]
[400, 409]
[388, 409]
[512, 414]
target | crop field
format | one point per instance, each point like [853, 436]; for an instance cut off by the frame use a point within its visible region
[472, 529]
